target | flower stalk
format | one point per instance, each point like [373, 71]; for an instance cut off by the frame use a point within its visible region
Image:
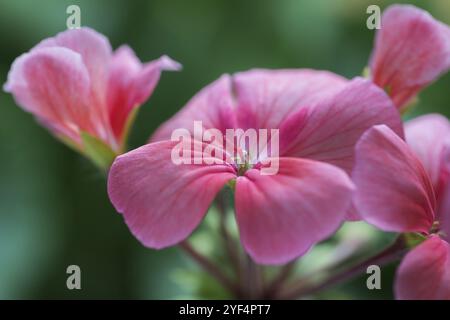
[210, 267]
[302, 288]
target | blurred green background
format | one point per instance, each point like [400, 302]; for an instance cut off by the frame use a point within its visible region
[54, 210]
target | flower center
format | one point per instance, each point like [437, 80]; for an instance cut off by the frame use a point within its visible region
[242, 162]
[242, 168]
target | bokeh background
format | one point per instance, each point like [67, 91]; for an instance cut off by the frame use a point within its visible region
[54, 210]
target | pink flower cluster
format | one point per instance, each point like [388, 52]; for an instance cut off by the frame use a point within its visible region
[344, 151]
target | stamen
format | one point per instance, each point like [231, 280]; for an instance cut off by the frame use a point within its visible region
[243, 163]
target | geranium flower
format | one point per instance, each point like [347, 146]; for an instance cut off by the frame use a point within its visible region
[411, 50]
[319, 115]
[405, 188]
[83, 92]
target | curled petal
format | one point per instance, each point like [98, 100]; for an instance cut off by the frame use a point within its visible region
[393, 190]
[54, 85]
[130, 84]
[95, 52]
[424, 273]
[429, 136]
[163, 202]
[443, 214]
[411, 50]
[281, 216]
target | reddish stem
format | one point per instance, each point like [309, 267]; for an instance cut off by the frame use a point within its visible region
[391, 253]
[211, 268]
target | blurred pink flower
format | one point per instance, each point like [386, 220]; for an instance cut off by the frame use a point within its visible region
[320, 116]
[405, 188]
[73, 84]
[411, 50]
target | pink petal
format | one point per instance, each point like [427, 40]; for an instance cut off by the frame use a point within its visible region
[213, 106]
[266, 97]
[424, 273]
[352, 213]
[131, 83]
[281, 216]
[162, 202]
[328, 130]
[255, 98]
[443, 213]
[393, 191]
[95, 51]
[411, 50]
[443, 195]
[428, 136]
[53, 84]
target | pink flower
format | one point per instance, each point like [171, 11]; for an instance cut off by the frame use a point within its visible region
[77, 87]
[405, 188]
[411, 50]
[320, 116]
